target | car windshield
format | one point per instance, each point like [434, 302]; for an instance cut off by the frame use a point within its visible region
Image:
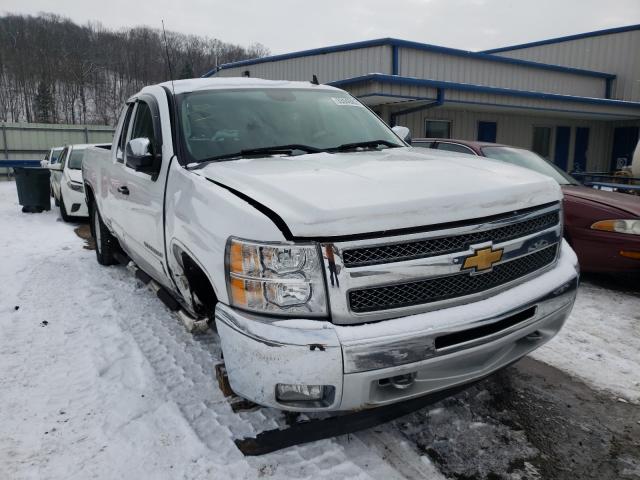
[75, 161]
[218, 123]
[528, 159]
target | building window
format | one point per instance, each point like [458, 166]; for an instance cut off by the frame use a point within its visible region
[437, 129]
[542, 141]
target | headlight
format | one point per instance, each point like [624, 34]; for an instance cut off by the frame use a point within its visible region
[619, 226]
[75, 186]
[275, 278]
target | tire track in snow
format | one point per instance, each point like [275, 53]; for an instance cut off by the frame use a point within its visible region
[184, 365]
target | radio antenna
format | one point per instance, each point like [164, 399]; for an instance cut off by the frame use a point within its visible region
[166, 50]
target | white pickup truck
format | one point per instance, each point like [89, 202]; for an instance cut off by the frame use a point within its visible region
[343, 268]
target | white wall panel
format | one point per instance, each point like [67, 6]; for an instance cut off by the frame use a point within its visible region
[441, 66]
[328, 66]
[617, 53]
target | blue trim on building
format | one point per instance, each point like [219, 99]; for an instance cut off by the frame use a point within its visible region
[595, 33]
[439, 101]
[391, 95]
[394, 42]
[379, 77]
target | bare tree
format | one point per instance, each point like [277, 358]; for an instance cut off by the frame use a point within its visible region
[54, 70]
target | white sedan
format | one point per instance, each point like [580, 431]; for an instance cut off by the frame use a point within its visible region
[66, 182]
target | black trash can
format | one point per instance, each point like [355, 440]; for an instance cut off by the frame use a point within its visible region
[33, 188]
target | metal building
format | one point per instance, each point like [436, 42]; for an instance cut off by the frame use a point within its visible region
[21, 142]
[574, 100]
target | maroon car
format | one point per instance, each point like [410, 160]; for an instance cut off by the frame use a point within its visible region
[602, 227]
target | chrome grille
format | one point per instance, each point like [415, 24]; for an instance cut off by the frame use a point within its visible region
[442, 288]
[398, 252]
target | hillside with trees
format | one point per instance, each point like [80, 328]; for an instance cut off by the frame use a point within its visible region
[53, 70]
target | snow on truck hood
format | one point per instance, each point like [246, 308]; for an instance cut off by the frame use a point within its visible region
[334, 194]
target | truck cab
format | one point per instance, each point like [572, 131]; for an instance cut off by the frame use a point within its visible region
[342, 268]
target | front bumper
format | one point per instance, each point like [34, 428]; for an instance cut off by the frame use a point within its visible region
[75, 202]
[439, 349]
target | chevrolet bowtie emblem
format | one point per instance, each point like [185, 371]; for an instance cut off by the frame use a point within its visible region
[483, 259]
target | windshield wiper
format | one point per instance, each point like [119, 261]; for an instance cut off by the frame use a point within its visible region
[274, 150]
[368, 144]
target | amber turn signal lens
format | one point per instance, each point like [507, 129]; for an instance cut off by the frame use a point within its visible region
[235, 260]
[238, 292]
[605, 225]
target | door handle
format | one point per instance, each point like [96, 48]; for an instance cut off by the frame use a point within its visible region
[124, 190]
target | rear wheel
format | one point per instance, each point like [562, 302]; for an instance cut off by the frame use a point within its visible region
[106, 244]
[63, 211]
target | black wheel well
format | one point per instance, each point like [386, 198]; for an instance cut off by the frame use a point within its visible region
[90, 199]
[200, 285]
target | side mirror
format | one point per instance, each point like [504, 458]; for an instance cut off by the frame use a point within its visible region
[55, 166]
[403, 132]
[139, 154]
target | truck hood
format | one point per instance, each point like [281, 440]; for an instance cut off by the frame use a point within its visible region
[336, 194]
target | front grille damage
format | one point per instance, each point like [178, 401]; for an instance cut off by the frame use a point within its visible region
[398, 252]
[442, 288]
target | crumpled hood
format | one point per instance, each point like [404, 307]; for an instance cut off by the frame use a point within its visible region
[325, 194]
[621, 201]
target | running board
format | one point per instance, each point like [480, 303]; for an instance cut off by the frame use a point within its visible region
[319, 429]
[192, 324]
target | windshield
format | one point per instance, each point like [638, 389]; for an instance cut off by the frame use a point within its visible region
[528, 159]
[223, 122]
[75, 161]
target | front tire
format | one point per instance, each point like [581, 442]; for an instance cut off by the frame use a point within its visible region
[63, 211]
[106, 244]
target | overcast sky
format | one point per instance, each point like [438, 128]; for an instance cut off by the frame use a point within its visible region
[288, 25]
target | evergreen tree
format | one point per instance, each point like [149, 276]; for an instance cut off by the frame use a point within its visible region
[43, 103]
[187, 71]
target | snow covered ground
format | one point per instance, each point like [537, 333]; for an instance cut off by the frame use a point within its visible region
[600, 343]
[98, 379]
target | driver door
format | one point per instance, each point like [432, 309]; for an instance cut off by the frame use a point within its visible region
[56, 172]
[141, 195]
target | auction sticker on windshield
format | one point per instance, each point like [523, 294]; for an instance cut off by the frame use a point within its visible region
[346, 101]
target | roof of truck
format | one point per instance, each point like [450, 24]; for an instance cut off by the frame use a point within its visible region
[193, 84]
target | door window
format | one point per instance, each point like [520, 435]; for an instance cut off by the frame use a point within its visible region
[123, 132]
[143, 124]
[63, 157]
[455, 147]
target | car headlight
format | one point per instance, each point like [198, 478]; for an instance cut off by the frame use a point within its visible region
[75, 186]
[283, 279]
[619, 226]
